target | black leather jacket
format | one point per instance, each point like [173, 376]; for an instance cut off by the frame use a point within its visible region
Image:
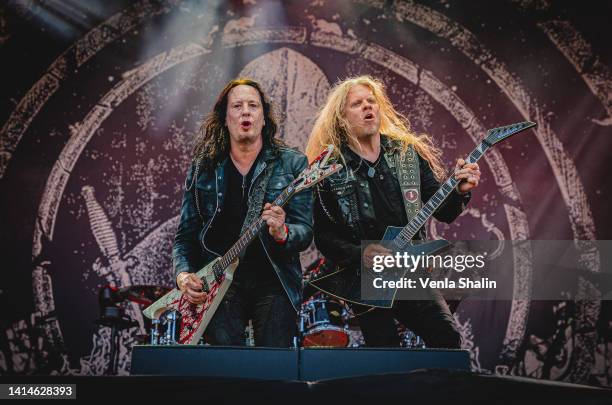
[279, 167]
[346, 198]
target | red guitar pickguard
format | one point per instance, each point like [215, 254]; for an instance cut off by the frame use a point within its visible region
[191, 315]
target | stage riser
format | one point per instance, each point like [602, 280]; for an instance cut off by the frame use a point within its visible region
[318, 364]
[289, 364]
[202, 361]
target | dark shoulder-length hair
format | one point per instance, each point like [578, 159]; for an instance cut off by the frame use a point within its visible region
[212, 140]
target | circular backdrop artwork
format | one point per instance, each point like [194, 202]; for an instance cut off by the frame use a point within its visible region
[114, 117]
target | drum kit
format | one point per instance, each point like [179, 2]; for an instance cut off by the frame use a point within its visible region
[162, 331]
[323, 320]
[326, 321]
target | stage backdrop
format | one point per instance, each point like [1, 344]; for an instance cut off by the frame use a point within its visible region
[102, 99]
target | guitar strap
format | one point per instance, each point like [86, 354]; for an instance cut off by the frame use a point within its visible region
[408, 175]
[407, 170]
[255, 207]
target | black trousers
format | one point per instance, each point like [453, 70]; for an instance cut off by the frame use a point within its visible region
[274, 318]
[430, 319]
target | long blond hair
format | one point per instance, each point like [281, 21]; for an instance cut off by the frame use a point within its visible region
[331, 127]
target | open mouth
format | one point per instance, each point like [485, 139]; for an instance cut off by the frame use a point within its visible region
[245, 125]
[369, 117]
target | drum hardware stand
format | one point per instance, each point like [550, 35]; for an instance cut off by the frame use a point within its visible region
[112, 315]
[154, 332]
[298, 339]
[249, 334]
[171, 320]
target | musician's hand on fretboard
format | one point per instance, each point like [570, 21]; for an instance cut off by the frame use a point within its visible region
[468, 175]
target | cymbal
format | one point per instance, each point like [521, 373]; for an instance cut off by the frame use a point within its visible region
[143, 294]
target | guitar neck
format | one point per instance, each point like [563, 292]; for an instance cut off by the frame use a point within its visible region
[251, 232]
[310, 176]
[436, 200]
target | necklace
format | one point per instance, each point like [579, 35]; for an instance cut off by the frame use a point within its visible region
[372, 168]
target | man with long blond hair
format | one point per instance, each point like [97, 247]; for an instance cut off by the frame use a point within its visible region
[378, 148]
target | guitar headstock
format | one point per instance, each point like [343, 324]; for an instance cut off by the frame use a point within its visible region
[316, 171]
[496, 135]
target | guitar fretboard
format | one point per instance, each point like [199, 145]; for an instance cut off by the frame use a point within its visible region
[436, 200]
[249, 234]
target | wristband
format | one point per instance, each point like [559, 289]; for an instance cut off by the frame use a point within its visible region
[284, 240]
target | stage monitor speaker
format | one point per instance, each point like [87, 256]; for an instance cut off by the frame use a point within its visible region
[321, 363]
[215, 361]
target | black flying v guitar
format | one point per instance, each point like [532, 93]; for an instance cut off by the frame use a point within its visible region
[401, 239]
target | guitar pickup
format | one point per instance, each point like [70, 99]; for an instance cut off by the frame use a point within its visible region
[211, 276]
[205, 287]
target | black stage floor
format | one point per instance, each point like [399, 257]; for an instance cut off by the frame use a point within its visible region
[419, 386]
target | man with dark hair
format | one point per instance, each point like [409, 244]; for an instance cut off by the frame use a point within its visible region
[238, 168]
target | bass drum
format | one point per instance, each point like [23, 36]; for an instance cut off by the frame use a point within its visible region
[323, 322]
